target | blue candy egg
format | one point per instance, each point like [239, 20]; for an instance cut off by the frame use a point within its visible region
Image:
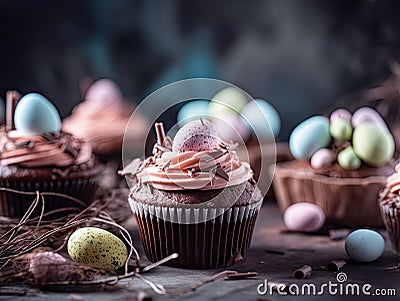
[257, 114]
[2, 111]
[35, 114]
[192, 110]
[309, 136]
[364, 245]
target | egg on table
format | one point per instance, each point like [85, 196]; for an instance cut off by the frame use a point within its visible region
[304, 217]
[97, 247]
[364, 245]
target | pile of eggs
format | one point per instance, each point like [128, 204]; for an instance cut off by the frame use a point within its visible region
[235, 116]
[363, 137]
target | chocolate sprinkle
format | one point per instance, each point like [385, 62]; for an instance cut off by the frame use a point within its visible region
[222, 173]
[25, 144]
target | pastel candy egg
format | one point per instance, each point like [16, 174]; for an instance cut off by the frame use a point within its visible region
[35, 114]
[197, 135]
[340, 113]
[2, 111]
[97, 247]
[258, 114]
[104, 92]
[341, 129]
[372, 144]
[347, 159]
[227, 100]
[192, 110]
[304, 217]
[366, 114]
[230, 127]
[364, 245]
[322, 158]
[309, 136]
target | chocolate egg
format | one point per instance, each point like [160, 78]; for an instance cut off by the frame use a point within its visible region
[193, 110]
[104, 92]
[257, 114]
[366, 114]
[373, 144]
[340, 113]
[97, 247]
[322, 158]
[347, 159]
[304, 217]
[364, 245]
[35, 114]
[227, 100]
[197, 135]
[2, 111]
[230, 127]
[309, 136]
[341, 129]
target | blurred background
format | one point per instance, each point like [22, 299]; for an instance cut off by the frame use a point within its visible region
[301, 56]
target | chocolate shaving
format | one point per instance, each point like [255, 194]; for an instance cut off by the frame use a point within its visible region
[303, 272]
[25, 144]
[165, 165]
[213, 155]
[160, 132]
[222, 173]
[335, 265]
[242, 275]
[50, 136]
[74, 152]
[12, 99]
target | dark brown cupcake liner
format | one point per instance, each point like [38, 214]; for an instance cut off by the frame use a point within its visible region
[220, 241]
[391, 217]
[15, 204]
[347, 202]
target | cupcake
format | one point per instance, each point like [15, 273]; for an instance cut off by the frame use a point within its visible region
[101, 119]
[341, 163]
[36, 156]
[389, 200]
[194, 197]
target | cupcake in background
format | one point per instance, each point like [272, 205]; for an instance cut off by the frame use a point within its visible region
[35, 155]
[2, 112]
[101, 119]
[389, 201]
[195, 197]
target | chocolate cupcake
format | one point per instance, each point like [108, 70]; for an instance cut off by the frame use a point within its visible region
[35, 156]
[340, 165]
[389, 201]
[194, 197]
[101, 119]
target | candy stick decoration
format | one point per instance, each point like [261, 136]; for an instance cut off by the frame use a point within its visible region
[12, 98]
[160, 132]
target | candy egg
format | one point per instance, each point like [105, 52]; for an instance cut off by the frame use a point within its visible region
[97, 247]
[257, 114]
[347, 159]
[230, 127]
[365, 114]
[364, 245]
[372, 144]
[193, 110]
[322, 158]
[35, 114]
[227, 100]
[104, 92]
[309, 136]
[197, 135]
[340, 113]
[341, 129]
[304, 217]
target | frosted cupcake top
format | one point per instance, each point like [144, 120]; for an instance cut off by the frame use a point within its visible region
[32, 136]
[195, 160]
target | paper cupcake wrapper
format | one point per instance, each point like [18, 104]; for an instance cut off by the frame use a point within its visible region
[217, 242]
[13, 204]
[391, 218]
[346, 202]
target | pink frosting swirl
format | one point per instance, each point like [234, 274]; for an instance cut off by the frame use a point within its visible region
[42, 150]
[204, 170]
[393, 181]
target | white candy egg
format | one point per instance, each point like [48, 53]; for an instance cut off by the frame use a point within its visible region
[304, 217]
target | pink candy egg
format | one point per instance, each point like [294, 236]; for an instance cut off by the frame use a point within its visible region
[304, 217]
